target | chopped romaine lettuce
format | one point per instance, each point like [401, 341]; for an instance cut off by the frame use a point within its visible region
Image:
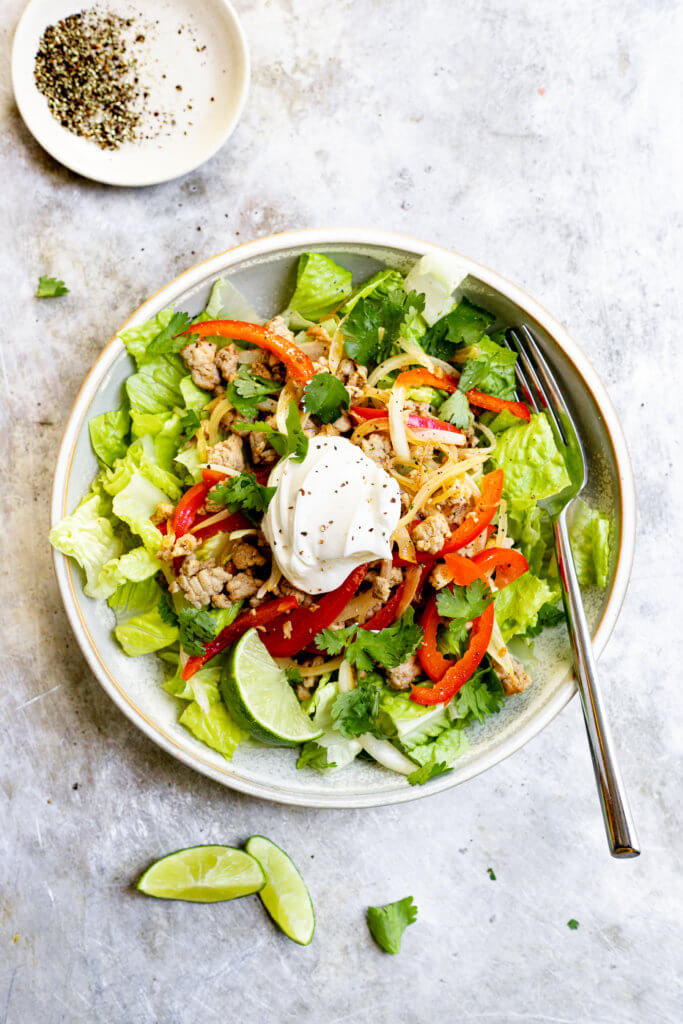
[339, 750]
[108, 434]
[589, 534]
[156, 386]
[133, 566]
[227, 303]
[491, 371]
[321, 284]
[450, 743]
[436, 276]
[191, 460]
[517, 605]
[533, 466]
[384, 281]
[88, 536]
[135, 499]
[137, 339]
[214, 727]
[408, 721]
[463, 326]
[145, 633]
[134, 597]
[193, 397]
[202, 687]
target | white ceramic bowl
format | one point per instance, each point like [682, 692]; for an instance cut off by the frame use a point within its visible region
[263, 270]
[197, 44]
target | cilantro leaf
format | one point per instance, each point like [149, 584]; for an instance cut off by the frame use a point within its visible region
[464, 602]
[166, 340]
[492, 371]
[427, 771]
[373, 325]
[572, 923]
[465, 325]
[248, 389]
[549, 615]
[388, 923]
[50, 288]
[354, 712]
[293, 674]
[389, 647]
[243, 493]
[452, 636]
[196, 627]
[491, 874]
[166, 612]
[191, 420]
[294, 443]
[482, 695]
[314, 756]
[326, 397]
[456, 410]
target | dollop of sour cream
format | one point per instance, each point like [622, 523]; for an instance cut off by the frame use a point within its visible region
[329, 514]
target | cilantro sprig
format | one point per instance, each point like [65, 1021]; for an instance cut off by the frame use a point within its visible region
[363, 648]
[374, 324]
[387, 923]
[243, 493]
[428, 771]
[326, 397]
[166, 341]
[50, 287]
[314, 756]
[460, 605]
[294, 443]
[195, 626]
[354, 713]
[248, 389]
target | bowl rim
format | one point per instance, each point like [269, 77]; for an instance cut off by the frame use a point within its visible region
[310, 238]
[120, 177]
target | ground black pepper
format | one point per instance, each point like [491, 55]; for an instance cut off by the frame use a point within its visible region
[85, 71]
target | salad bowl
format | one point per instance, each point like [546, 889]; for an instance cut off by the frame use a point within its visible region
[263, 272]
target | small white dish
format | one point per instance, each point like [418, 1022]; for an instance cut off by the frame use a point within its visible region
[198, 45]
[263, 271]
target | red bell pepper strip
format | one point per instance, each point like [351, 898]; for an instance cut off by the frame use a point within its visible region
[431, 658]
[460, 671]
[255, 617]
[477, 521]
[415, 378]
[213, 477]
[187, 508]
[508, 564]
[416, 422]
[307, 623]
[493, 404]
[296, 361]
[399, 600]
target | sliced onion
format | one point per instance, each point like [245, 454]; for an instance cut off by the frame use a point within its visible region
[239, 534]
[249, 355]
[320, 670]
[393, 363]
[347, 678]
[410, 585]
[218, 518]
[386, 754]
[447, 437]
[218, 468]
[406, 548]
[397, 427]
[217, 414]
[418, 354]
[336, 353]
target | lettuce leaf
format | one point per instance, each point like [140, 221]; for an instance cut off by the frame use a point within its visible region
[137, 339]
[518, 605]
[463, 326]
[214, 727]
[156, 387]
[532, 531]
[589, 535]
[339, 750]
[321, 284]
[108, 434]
[135, 499]
[145, 633]
[134, 597]
[191, 461]
[134, 566]
[533, 466]
[436, 276]
[203, 687]
[193, 397]
[89, 538]
[492, 371]
[384, 281]
[445, 748]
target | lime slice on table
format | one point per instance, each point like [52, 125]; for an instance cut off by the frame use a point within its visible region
[203, 874]
[260, 699]
[284, 895]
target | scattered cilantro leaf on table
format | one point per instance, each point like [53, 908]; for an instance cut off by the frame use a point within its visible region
[326, 397]
[491, 873]
[50, 288]
[388, 923]
[572, 923]
[243, 493]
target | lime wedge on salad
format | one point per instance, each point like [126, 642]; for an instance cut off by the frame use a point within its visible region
[285, 895]
[260, 699]
[203, 874]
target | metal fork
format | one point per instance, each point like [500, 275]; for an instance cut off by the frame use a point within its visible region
[544, 394]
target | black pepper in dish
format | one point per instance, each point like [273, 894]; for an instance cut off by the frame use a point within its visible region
[84, 70]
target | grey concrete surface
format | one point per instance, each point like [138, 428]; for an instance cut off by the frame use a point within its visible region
[543, 140]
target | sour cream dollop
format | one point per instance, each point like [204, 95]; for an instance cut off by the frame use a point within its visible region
[329, 514]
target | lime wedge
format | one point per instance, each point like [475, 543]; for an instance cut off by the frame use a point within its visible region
[260, 699]
[284, 895]
[203, 874]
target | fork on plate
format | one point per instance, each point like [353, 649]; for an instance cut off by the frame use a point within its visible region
[543, 394]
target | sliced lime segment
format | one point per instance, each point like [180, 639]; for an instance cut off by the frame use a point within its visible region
[284, 895]
[203, 874]
[260, 699]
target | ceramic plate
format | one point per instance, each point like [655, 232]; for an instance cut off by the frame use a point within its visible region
[264, 271]
[193, 62]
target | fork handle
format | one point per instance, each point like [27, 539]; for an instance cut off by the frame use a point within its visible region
[621, 833]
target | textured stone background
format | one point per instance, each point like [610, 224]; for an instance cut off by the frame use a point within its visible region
[545, 141]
